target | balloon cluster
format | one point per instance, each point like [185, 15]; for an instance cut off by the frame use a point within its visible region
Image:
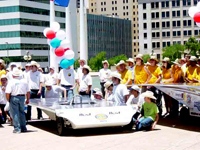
[194, 12]
[61, 46]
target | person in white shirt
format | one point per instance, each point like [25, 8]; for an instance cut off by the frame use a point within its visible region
[16, 91]
[66, 79]
[131, 67]
[98, 96]
[104, 75]
[35, 81]
[3, 100]
[109, 91]
[85, 82]
[120, 91]
[27, 69]
[54, 91]
[80, 72]
[9, 74]
[52, 75]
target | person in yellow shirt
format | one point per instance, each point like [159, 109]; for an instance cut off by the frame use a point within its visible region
[126, 74]
[177, 72]
[2, 68]
[190, 70]
[142, 74]
[155, 70]
[196, 76]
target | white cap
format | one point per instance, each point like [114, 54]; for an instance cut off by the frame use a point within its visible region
[149, 94]
[16, 72]
[116, 75]
[135, 87]
[3, 76]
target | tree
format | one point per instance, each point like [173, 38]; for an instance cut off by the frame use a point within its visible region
[173, 51]
[146, 57]
[95, 63]
[76, 64]
[114, 60]
[192, 46]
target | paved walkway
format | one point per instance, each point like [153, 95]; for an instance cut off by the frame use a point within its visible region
[169, 135]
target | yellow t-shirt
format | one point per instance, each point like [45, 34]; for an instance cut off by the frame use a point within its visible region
[141, 75]
[126, 75]
[155, 72]
[190, 72]
[166, 75]
[1, 73]
[176, 73]
[197, 73]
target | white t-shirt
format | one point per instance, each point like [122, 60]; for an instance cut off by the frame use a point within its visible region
[52, 78]
[9, 75]
[55, 92]
[85, 81]
[34, 79]
[110, 97]
[3, 99]
[132, 70]
[18, 86]
[138, 100]
[119, 92]
[79, 73]
[67, 77]
[104, 75]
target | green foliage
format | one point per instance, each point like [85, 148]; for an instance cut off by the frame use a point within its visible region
[95, 63]
[146, 57]
[114, 60]
[192, 46]
[76, 64]
[173, 51]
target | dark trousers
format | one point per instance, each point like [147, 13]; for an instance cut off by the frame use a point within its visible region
[103, 88]
[85, 94]
[3, 114]
[33, 94]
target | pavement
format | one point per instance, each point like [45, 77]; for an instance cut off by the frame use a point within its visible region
[168, 135]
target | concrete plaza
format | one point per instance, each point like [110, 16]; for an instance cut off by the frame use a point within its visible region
[168, 135]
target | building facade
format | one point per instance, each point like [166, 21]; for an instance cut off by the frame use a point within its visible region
[124, 9]
[163, 23]
[22, 24]
[109, 34]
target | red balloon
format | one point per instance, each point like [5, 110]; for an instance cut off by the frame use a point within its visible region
[51, 34]
[59, 51]
[67, 49]
[197, 17]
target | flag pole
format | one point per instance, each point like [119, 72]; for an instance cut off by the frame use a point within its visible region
[83, 48]
[52, 19]
[68, 26]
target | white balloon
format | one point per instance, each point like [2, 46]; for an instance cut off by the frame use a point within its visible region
[192, 11]
[198, 24]
[65, 44]
[69, 54]
[198, 6]
[45, 31]
[61, 35]
[55, 26]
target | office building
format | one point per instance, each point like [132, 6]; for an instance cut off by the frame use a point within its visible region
[22, 24]
[124, 9]
[163, 23]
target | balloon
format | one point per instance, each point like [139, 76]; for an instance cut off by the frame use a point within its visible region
[67, 49]
[64, 64]
[51, 34]
[59, 51]
[197, 17]
[65, 44]
[198, 24]
[55, 43]
[45, 31]
[55, 26]
[69, 54]
[192, 11]
[61, 35]
[71, 61]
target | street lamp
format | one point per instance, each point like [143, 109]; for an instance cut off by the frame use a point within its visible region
[27, 57]
[152, 53]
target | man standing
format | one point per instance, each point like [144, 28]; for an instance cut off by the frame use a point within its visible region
[52, 76]
[104, 75]
[79, 74]
[35, 82]
[120, 91]
[66, 79]
[15, 94]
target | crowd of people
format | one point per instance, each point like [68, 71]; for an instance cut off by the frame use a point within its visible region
[120, 86]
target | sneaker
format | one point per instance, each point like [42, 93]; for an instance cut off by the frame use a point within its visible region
[16, 131]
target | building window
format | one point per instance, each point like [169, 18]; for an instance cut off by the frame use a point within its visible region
[145, 46]
[145, 25]
[144, 6]
[145, 35]
[168, 34]
[144, 16]
[164, 34]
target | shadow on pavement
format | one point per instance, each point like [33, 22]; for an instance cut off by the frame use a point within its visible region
[50, 126]
[193, 123]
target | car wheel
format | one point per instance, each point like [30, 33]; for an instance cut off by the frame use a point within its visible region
[184, 115]
[60, 126]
